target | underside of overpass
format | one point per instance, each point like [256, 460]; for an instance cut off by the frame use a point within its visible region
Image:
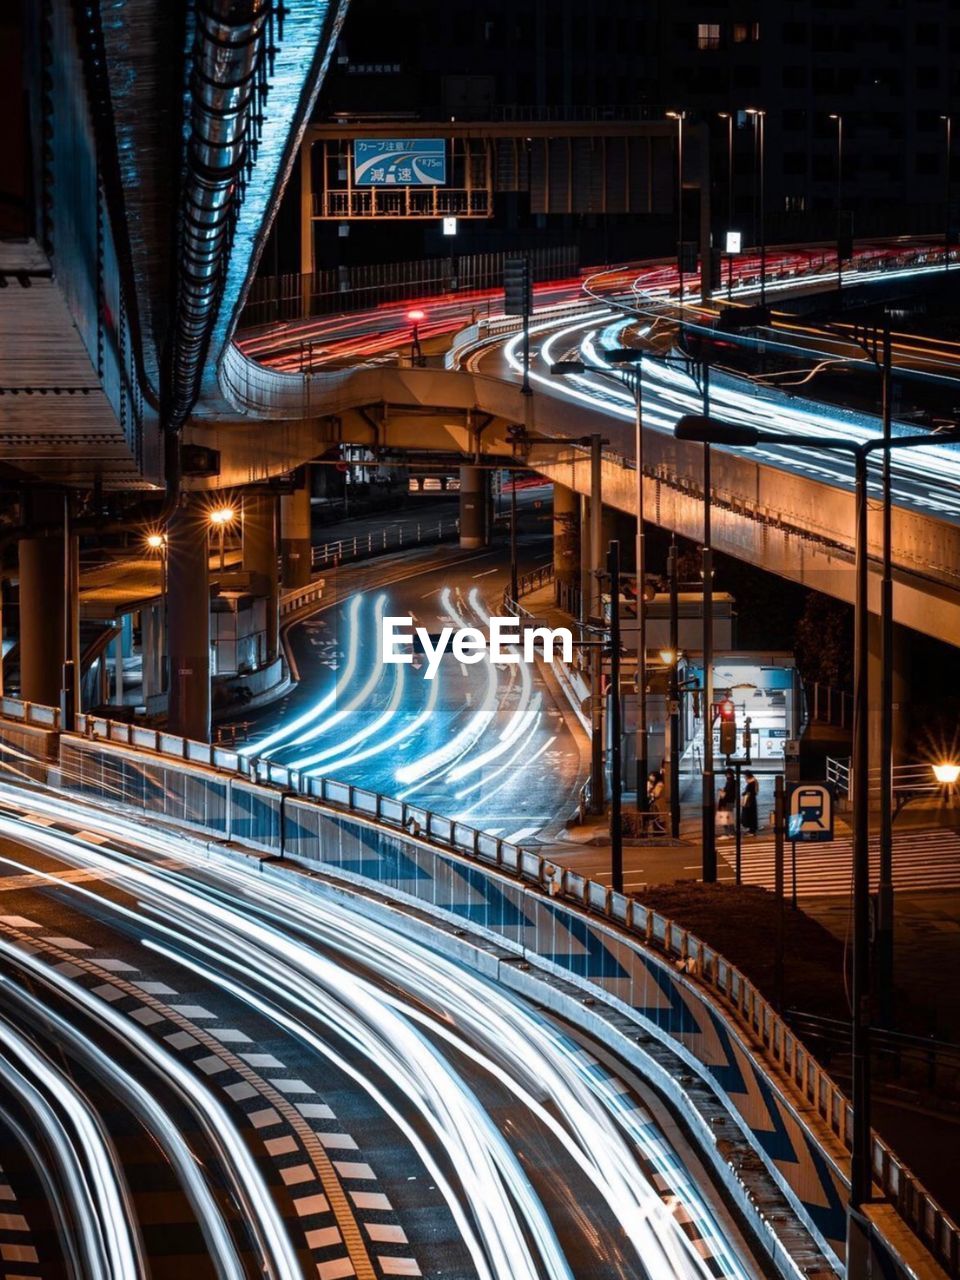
[784, 522]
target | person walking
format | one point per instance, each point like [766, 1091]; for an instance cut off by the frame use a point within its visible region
[749, 809]
[655, 785]
[726, 803]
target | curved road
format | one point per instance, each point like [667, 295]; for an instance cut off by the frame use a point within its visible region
[212, 1073]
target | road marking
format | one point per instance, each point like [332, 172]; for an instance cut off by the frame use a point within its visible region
[520, 834]
[486, 573]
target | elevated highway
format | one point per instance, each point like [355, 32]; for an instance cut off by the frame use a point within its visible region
[786, 511]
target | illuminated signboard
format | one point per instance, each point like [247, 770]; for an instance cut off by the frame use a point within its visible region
[734, 241]
[399, 162]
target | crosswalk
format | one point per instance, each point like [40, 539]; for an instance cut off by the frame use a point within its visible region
[922, 860]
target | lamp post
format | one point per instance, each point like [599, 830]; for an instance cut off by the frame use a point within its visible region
[220, 517]
[708, 430]
[158, 542]
[839, 119]
[679, 116]
[728, 116]
[416, 316]
[947, 175]
[759, 125]
[634, 357]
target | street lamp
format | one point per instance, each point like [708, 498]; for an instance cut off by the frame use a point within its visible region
[835, 115]
[157, 542]
[741, 435]
[679, 116]
[416, 316]
[946, 774]
[948, 174]
[759, 127]
[219, 518]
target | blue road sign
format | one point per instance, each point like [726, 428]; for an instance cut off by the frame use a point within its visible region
[810, 811]
[399, 162]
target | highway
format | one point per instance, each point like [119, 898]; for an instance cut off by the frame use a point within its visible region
[489, 743]
[238, 1077]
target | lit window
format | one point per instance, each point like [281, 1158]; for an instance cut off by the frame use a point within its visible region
[746, 32]
[795, 204]
[708, 35]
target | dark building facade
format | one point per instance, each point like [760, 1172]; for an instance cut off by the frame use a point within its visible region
[857, 97]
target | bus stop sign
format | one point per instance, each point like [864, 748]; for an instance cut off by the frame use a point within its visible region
[809, 812]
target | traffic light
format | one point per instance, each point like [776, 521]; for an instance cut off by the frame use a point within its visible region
[728, 726]
[517, 287]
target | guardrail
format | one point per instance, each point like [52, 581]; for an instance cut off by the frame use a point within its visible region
[394, 538]
[651, 969]
[297, 599]
[910, 782]
[827, 705]
[934, 1063]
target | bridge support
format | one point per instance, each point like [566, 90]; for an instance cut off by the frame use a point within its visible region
[566, 541]
[260, 560]
[474, 503]
[295, 536]
[901, 689]
[48, 589]
[41, 619]
[188, 622]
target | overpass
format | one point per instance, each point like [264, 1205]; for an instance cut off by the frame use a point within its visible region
[778, 512]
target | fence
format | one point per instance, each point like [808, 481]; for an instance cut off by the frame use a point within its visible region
[274, 298]
[390, 538]
[826, 705]
[910, 782]
[652, 970]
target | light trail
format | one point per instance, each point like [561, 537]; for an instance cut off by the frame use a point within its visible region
[257, 940]
[266, 745]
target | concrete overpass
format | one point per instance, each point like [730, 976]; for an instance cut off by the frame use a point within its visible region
[782, 520]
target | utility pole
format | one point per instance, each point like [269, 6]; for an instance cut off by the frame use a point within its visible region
[673, 694]
[616, 763]
[514, 579]
[709, 815]
[885, 930]
[641, 734]
[597, 788]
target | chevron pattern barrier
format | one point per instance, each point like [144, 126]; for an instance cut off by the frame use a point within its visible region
[647, 967]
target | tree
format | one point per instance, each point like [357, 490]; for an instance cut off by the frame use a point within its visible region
[823, 641]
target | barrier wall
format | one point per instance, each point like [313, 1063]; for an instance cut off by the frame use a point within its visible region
[673, 985]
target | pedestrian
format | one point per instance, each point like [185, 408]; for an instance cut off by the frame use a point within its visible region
[726, 802]
[655, 786]
[749, 809]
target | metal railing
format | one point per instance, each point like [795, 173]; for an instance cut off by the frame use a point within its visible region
[827, 705]
[391, 538]
[273, 298]
[297, 599]
[910, 781]
[920, 1060]
[783, 1052]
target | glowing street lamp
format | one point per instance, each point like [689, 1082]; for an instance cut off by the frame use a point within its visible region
[219, 518]
[416, 316]
[946, 774]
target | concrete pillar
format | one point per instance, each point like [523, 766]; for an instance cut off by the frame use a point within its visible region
[118, 667]
[260, 559]
[188, 622]
[295, 536]
[42, 571]
[585, 560]
[901, 689]
[566, 539]
[306, 227]
[474, 502]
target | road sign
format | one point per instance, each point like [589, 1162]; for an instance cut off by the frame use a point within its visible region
[400, 162]
[810, 812]
[734, 242]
